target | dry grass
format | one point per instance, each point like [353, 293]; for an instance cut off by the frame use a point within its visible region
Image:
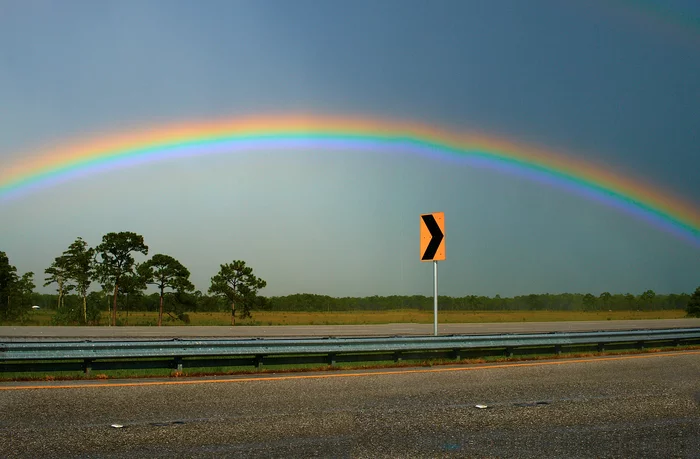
[374, 317]
[426, 317]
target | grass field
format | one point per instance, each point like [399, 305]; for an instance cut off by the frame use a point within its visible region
[43, 317]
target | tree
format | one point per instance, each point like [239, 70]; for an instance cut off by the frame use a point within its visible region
[58, 273]
[605, 298]
[15, 291]
[236, 282]
[648, 298]
[131, 286]
[94, 303]
[115, 260]
[79, 268]
[22, 291]
[589, 301]
[164, 271]
[693, 307]
[8, 278]
[25, 286]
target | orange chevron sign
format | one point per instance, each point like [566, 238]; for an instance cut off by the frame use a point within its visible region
[432, 236]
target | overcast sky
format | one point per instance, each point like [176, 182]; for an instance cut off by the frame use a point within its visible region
[616, 82]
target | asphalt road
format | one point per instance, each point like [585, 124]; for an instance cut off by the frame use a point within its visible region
[9, 333]
[625, 406]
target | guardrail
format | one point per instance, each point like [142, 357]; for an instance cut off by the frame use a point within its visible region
[178, 353]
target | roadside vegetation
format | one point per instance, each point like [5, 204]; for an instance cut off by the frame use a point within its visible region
[104, 285]
[45, 317]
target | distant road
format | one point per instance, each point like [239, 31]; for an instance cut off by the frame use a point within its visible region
[623, 407]
[19, 333]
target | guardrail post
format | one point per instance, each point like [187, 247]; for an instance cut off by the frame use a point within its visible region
[87, 366]
[178, 364]
[457, 354]
[601, 347]
[509, 352]
[331, 359]
[398, 357]
[258, 362]
[557, 349]
[640, 345]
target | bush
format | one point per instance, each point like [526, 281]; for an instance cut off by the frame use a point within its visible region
[69, 313]
[693, 307]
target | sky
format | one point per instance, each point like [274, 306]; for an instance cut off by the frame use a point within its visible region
[614, 83]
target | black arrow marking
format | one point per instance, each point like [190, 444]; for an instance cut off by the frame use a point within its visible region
[436, 234]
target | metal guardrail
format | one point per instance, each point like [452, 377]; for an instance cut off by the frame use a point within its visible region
[33, 356]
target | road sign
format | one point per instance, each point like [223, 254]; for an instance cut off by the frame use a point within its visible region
[432, 237]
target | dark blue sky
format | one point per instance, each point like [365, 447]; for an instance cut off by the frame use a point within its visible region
[617, 83]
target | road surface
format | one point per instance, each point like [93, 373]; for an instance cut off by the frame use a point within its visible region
[625, 406]
[10, 333]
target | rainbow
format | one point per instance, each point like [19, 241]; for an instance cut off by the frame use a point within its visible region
[632, 197]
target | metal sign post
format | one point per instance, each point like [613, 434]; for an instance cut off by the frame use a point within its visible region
[435, 297]
[432, 248]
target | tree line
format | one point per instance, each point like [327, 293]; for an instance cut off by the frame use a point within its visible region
[177, 305]
[646, 301]
[123, 285]
[111, 264]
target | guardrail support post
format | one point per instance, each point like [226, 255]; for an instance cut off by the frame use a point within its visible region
[331, 359]
[397, 356]
[601, 347]
[258, 361]
[509, 352]
[178, 364]
[640, 345]
[87, 366]
[457, 354]
[557, 349]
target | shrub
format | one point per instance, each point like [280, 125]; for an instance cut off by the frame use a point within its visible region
[693, 307]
